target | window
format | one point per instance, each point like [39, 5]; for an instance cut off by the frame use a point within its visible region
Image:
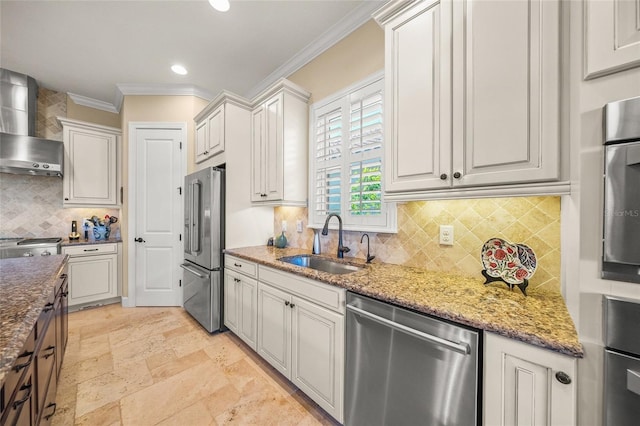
[346, 159]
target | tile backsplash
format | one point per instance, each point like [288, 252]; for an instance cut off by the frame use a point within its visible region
[534, 221]
[31, 206]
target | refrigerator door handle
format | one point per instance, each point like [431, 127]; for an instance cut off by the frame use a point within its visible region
[196, 187]
[193, 271]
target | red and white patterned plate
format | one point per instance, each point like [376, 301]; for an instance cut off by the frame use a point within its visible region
[512, 263]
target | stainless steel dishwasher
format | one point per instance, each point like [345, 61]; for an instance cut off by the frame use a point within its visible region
[405, 368]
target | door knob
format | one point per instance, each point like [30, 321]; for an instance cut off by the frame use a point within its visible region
[139, 240]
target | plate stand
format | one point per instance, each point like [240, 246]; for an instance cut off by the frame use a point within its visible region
[522, 286]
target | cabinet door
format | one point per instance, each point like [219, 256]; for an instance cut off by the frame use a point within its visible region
[318, 354]
[274, 143]
[92, 278]
[248, 311]
[505, 91]
[216, 131]
[21, 411]
[202, 140]
[258, 155]
[274, 327]
[521, 385]
[62, 324]
[90, 167]
[231, 282]
[46, 361]
[612, 36]
[417, 107]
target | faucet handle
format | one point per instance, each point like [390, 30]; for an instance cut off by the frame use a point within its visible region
[345, 249]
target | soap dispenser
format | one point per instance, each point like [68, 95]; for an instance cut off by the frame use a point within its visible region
[316, 242]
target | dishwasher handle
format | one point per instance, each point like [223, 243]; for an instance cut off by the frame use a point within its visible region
[462, 348]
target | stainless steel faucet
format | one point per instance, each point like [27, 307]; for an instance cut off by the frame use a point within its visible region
[341, 249]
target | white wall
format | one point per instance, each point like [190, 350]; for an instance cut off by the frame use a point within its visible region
[582, 214]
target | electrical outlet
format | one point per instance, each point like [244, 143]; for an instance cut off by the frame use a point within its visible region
[446, 235]
[284, 225]
[299, 226]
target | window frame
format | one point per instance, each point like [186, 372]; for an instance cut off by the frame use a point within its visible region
[387, 222]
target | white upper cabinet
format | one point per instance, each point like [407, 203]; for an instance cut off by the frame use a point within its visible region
[279, 129]
[418, 85]
[215, 122]
[612, 36]
[473, 96]
[91, 165]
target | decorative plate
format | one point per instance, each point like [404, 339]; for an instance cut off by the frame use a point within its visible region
[512, 263]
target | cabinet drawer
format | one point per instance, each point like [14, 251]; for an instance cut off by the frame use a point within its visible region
[323, 294]
[239, 265]
[90, 249]
[22, 363]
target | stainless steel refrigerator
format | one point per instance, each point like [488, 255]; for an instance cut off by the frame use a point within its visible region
[203, 247]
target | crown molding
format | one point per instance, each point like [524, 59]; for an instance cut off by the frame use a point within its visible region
[93, 103]
[334, 34]
[124, 89]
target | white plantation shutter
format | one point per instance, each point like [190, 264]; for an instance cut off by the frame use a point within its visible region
[326, 193]
[366, 124]
[346, 160]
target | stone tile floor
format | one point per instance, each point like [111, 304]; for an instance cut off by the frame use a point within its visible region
[157, 366]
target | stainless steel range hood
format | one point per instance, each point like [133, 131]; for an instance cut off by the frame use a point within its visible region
[20, 151]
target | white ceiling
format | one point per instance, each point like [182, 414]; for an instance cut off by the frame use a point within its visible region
[99, 49]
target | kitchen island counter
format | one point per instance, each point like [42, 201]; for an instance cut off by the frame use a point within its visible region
[540, 319]
[26, 283]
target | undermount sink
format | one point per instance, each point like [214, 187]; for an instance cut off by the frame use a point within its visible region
[320, 264]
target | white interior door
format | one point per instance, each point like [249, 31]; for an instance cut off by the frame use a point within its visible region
[157, 214]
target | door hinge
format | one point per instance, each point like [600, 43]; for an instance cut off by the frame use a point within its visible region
[181, 146]
[180, 237]
[180, 190]
[180, 283]
[121, 194]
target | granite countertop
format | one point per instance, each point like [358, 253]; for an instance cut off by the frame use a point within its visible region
[540, 319]
[25, 286]
[82, 242]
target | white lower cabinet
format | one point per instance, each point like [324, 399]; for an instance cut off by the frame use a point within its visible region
[301, 337]
[240, 310]
[93, 273]
[524, 384]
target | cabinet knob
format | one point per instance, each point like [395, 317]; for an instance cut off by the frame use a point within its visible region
[286, 303]
[66, 199]
[292, 305]
[563, 377]
[457, 175]
[238, 265]
[443, 176]
[139, 240]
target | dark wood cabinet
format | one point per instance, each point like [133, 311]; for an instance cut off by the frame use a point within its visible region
[27, 396]
[61, 310]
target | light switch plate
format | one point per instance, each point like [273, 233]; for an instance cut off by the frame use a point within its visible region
[299, 225]
[446, 235]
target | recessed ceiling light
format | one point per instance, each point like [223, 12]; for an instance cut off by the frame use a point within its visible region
[220, 5]
[179, 69]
